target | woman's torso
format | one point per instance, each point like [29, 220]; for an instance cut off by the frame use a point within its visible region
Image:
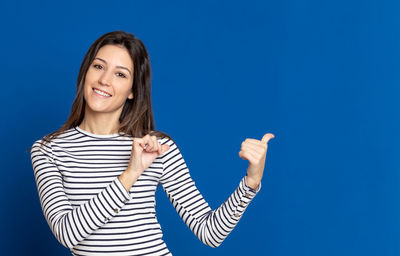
[88, 163]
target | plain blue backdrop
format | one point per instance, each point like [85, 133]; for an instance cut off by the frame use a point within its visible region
[323, 76]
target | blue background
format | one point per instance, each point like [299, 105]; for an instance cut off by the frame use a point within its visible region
[323, 76]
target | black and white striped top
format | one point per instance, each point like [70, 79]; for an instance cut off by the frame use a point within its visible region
[90, 212]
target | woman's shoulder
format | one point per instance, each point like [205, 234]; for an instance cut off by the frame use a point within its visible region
[48, 139]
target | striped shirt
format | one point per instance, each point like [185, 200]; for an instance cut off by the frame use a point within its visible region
[90, 212]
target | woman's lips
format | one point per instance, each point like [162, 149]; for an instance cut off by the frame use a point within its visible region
[101, 93]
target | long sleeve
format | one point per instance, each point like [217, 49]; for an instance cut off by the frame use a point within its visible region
[69, 224]
[210, 226]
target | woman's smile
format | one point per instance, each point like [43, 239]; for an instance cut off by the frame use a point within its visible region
[101, 94]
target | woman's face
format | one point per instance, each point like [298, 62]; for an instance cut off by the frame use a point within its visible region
[109, 80]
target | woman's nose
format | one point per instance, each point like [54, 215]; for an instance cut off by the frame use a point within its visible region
[105, 78]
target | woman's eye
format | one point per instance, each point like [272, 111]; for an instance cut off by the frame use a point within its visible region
[121, 75]
[97, 66]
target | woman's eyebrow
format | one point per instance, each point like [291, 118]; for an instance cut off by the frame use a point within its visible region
[97, 58]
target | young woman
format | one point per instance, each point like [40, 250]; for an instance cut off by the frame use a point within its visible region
[97, 175]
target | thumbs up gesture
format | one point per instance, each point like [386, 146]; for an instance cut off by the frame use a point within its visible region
[255, 151]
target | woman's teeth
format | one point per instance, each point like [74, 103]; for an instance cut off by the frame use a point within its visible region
[102, 93]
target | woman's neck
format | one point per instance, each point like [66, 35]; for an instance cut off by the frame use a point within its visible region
[99, 123]
[98, 128]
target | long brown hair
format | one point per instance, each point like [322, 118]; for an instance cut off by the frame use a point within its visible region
[136, 118]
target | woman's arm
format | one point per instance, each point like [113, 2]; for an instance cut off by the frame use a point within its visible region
[210, 226]
[72, 225]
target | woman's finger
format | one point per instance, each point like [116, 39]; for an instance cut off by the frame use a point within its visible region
[256, 152]
[148, 142]
[247, 155]
[156, 144]
[138, 141]
[142, 142]
[137, 146]
[153, 144]
[259, 147]
[267, 137]
[164, 148]
[255, 142]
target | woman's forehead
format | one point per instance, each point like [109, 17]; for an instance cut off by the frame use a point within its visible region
[115, 55]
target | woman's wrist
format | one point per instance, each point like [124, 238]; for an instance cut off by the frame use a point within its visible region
[252, 182]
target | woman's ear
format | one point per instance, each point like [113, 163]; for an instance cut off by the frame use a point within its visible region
[130, 96]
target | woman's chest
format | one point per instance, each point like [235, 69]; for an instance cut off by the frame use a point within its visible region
[87, 171]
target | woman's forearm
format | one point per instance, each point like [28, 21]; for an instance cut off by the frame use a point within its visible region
[128, 178]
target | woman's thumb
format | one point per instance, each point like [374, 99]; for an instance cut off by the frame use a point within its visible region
[164, 148]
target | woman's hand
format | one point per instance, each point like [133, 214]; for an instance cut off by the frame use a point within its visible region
[144, 151]
[255, 151]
